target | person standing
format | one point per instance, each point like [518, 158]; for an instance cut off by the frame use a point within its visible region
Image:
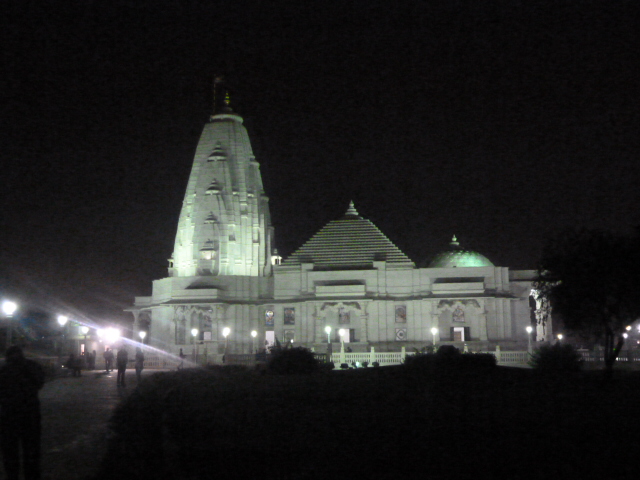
[108, 360]
[139, 363]
[121, 362]
[182, 357]
[20, 380]
[92, 360]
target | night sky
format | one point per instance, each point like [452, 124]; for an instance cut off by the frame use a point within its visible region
[498, 121]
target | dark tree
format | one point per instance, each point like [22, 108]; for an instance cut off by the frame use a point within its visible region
[591, 278]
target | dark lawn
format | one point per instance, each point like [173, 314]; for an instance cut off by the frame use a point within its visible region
[378, 423]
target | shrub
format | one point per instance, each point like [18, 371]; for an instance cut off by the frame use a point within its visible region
[344, 366]
[448, 351]
[326, 366]
[449, 356]
[287, 361]
[556, 358]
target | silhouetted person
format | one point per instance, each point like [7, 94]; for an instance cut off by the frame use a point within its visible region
[121, 361]
[92, 360]
[182, 357]
[139, 363]
[73, 364]
[20, 380]
[108, 360]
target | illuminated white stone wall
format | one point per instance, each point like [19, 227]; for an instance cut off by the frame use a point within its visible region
[494, 309]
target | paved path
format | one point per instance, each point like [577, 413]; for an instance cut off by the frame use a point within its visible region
[75, 416]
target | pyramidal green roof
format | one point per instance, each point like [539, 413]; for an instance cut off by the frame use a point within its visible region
[349, 242]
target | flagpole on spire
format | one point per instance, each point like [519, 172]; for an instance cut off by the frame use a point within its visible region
[216, 80]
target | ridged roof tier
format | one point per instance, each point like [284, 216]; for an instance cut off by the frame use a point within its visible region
[350, 242]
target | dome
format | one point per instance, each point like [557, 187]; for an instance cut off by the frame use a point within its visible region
[457, 256]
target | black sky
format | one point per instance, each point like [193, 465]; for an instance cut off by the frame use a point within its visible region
[499, 121]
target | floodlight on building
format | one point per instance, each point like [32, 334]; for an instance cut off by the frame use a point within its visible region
[84, 329]
[142, 334]
[9, 308]
[62, 320]
[111, 335]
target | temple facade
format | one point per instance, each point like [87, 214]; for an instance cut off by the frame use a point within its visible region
[227, 290]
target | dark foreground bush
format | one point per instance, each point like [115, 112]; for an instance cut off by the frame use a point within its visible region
[449, 357]
[556, 358]
[288, 361]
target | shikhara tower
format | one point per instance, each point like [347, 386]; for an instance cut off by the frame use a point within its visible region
[220, 271]
[224, 226]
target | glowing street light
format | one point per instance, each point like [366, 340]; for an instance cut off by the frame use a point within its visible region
[529, 330]
[625, 335]
[254, 334]
[225, 333]
[434, 332]
[62, 320]
[84, 330]
[327, 329]
[142, 334]
[194, 333]
[9, 308]
[342, 332]
[560, 336]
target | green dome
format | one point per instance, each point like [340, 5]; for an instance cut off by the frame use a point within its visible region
[459, 257]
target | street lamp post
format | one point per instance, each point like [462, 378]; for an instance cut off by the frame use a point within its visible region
[9, 308]
[560, 337]
[142, 334]
[529, 330]
[194, 333]
[84, 329]
[343, 358]
[327, 329]
[225, 333]
[62, 321]
[434, 332]
[254, 334]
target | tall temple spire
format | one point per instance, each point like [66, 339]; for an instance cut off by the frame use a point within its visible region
[225, 225]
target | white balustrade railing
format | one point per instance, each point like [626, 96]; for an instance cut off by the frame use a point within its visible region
[338, 358]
